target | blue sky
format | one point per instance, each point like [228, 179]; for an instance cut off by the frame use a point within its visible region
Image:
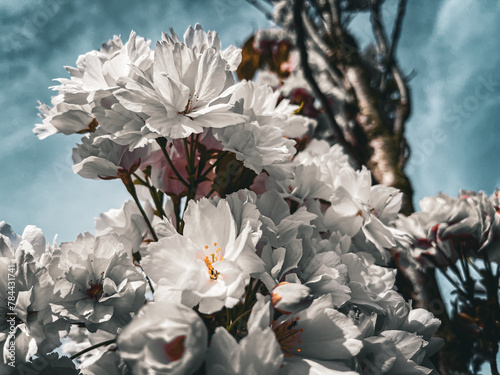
[454, 129]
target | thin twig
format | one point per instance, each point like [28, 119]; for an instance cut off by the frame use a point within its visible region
[214, 165]
[210, 193]
[325, 17]
[104, 343]
[403, 109]
[127, 181]
[232, 325]
[308, 74]
[380, 37]
[396, 33]
[143, 213]
[163, 143]
[154, 195]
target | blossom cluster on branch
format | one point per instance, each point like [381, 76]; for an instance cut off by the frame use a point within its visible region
[248, 248]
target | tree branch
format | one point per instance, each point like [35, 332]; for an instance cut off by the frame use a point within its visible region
[396, 33]
[308, 74]
[402, 110]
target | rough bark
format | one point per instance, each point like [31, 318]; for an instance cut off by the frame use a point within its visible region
[379, 137]
[375, 104]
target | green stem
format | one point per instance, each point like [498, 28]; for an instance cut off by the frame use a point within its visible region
[214, 165]
[249, 297]
[473, 265]
[453, 282]
[177, 212]
[188, 155]
[452, 266]
[104, 343]
[163, 145]
[191, 169]
[228, 316]
[194, 144]
[469, 282]
[210, 193]
[131, 189]
[150, 283]
[154, 195]
[233, 324]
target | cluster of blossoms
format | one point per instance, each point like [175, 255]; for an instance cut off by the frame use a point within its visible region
[242, 253]
[461, 238]
[448, 229]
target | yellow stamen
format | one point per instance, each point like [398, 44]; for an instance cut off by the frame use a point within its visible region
[212, 258]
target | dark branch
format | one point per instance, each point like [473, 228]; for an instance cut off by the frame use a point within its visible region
[403, 108]
[396, 33]
[380, 37]
[308, 74]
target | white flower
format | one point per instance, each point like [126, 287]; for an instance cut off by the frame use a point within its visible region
[289, 298]
[164, 338]
[100, 286]
[329, 159]
[421, 322]
[91, 85]
[198, 41]
[320, 332]
[318, 338]
[263, 105]
[322, 270]
[447, 226]
[26, 285]
[281, 246]
[210, 263]
[180, 96]
[413, 244]
[370, 283]
[259, 147]
[356, 205]
[66, 118]
[122, 126]
[261, 142]
[410, 352]
[315, 173]
[257, 353]
[127, 221]
[106, 159]
[99, 70]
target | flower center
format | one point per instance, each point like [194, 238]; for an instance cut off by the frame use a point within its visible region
[95, 290]
[193, 98]
[213, 257]
[289, 336]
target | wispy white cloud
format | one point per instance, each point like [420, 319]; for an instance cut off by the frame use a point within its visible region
[447, 128]
[38, 186]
